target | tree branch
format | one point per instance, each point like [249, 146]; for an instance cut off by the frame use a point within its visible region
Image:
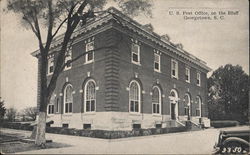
[58, 28]
[31, 25]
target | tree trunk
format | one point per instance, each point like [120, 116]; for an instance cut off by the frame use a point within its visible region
[41, 129]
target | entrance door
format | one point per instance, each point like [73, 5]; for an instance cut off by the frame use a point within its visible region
[173, 115]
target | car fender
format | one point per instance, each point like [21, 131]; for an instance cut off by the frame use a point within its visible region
[236, 139]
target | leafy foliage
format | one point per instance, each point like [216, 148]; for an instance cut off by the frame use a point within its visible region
[11, 114]
[2, 109]
[228, 94]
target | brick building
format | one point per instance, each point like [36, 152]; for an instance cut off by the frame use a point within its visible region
[132, 78]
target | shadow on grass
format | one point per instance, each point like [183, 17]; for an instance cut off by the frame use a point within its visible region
[17, 146]
[11, 143]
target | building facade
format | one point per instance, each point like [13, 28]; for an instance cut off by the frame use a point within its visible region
[130, 77]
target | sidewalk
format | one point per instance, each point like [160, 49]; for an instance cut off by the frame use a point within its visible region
[196, 142]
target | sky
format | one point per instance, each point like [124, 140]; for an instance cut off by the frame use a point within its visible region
[215, 41]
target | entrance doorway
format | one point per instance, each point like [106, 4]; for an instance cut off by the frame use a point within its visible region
[173, 115]
[173, 104]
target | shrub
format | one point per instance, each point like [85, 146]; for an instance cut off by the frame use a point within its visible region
[97, 133]
[224, 123]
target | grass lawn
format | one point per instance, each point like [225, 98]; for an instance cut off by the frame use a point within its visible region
[11, 144]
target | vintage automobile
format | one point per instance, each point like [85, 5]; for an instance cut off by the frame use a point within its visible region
[233, 142]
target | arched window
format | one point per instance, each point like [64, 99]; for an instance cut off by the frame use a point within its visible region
[68, 99]
[187, 102]
[156, 100]
[134, 96]
[198, 109]
[90, 96]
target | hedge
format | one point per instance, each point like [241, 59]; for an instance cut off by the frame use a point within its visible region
[98, 133]
[224, 123]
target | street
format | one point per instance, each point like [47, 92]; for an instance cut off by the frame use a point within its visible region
[195, 142]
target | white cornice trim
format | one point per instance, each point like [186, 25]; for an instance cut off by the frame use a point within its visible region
[133, 26]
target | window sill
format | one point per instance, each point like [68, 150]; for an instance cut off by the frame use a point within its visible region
[50, 114]
[135, 113]
[50, 74]
[68, 114]
[158, 71]
[174, 77]
[156, 115]
[89, 113]
[187, 81]
[136, 63]
[65, 69]
[88, 62]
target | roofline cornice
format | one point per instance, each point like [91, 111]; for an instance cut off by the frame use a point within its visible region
[123, 20]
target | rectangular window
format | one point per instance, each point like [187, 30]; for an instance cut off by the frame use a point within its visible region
[185, 110]
[65, 125]
[158, 125]
[90, 53]
[136, 126]
[86, 126]
[174, 69]
[198, 82]
[157, 62]
[68, 108]
[156, 108]
[50, 65]
[68, 57]
[50, 109]
[135, 54]
[187, 75]
[57, 105]
[197, 112]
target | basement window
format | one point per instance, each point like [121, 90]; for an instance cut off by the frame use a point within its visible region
[158, 125]
[136, 126]
[86, 126]
[65, 125]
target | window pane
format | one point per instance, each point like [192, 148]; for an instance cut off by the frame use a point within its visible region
[52, 111]
[158, 108]
[93, 105]
[90, 46]
[154, 108]
[70, 107]
[156, 95]
[135, 48]
[173, 72]
[135, 57]
[51, 68]
[87, 105]
[66, 108]
[90, 56]
[136, 106]
[132, 104]
[156, 66]
[69, 97]
[69, 64]
[157, 58]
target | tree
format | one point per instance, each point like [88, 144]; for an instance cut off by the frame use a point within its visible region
[30, 113]
[11, 114]
[2, 109]
[54, 15]
[228, 89]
